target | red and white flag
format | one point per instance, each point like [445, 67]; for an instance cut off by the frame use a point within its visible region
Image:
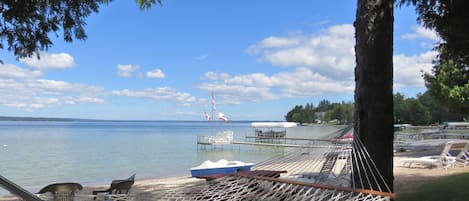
[213, 104]
[208, 117]
[222, 117]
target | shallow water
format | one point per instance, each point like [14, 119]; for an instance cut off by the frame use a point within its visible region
[34, 154]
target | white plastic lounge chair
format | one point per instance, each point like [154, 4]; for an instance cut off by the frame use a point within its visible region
[446, 159]
[463, 156]
[431, 161]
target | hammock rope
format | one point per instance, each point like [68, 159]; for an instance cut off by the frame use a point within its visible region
[372, 166]
[238, 187]
[325, 172]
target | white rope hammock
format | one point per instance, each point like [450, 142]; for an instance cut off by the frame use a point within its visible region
[322, 173]
[266, 188]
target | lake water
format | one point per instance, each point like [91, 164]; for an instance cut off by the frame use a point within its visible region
[36, 153]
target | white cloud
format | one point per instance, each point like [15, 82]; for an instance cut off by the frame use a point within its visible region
[216, 76]
[408, 70]
[278, 42]
[323, 64]
[157, 73]
[258, 86]
[28, 107]
[421, 33]
[318, 64]
[49, 61]
[126, 70]
[162, 93]
[236, 94]
[60, 87]
[32, 94]
[321, 23]
[25, 89]
[12, 71]
[201, 57]
[330, 52]
[83, 99]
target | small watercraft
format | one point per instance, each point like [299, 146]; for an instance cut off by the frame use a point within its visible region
[220, 167]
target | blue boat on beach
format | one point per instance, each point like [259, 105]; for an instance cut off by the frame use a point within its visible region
[220, 167]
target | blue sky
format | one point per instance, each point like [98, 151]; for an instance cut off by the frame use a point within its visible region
[259, 58]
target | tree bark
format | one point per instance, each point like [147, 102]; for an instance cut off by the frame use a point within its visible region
[373, 85]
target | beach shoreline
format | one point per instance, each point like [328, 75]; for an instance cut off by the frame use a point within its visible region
[406, 180]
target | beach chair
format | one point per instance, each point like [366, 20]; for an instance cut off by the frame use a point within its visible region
[446, 159]
[62, 191]
[463, 156]
[118, 190]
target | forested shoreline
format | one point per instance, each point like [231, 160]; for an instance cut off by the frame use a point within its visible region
[420, 110]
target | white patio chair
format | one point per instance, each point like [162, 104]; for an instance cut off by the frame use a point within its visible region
[445, 159]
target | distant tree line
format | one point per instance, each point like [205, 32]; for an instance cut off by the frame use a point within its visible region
[325, 112]
[424, 109]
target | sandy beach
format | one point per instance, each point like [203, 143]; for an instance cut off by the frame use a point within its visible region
[406, 180]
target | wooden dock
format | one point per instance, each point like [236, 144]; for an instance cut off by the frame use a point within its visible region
[308, 140]
[281, 145]
[205, 144]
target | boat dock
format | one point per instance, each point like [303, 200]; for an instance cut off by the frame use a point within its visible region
[266, 134]
[286, 140]
[267, 142]
[280, 145]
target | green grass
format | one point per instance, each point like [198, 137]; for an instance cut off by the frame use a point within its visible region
[451, 188]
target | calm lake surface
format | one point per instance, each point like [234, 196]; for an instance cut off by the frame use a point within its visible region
[36, 153]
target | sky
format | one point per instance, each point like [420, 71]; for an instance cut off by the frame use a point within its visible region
[258, 58]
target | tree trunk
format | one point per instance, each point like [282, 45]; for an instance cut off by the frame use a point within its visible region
[373, 84]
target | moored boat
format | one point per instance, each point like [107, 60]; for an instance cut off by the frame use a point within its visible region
[272, 129]
[220, 167]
